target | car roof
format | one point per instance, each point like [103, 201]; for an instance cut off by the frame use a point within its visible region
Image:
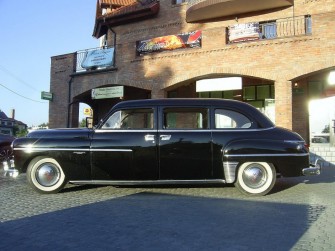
[182, 102]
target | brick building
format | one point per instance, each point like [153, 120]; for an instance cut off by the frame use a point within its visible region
[9, 125]
[281, 52]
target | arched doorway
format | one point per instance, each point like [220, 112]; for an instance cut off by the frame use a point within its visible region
[259, 93]
[100, 106]
[321, 121]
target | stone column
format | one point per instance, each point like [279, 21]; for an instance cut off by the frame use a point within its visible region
[157, 92]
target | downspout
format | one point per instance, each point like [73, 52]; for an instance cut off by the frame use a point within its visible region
[114, 43]
[69, 103]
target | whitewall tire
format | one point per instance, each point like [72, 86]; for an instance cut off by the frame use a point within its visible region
[256, 178]
[45, 175]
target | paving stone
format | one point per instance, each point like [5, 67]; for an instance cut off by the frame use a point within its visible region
[298, 215]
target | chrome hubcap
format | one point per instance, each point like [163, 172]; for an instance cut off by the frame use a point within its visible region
[47, 174]
[254, 176]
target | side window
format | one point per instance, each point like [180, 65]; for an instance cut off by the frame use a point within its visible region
[185, 118]
[226, 119]
[179, 1]
[131, 119]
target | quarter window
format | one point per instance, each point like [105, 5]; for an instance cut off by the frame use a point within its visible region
[131, 119]
[185, 118]
[179, 1]
[227, 119]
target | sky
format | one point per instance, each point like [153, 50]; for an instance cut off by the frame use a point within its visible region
[31, 33]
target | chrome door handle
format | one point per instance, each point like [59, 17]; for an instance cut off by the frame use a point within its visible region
[165, 137]
[149, 137]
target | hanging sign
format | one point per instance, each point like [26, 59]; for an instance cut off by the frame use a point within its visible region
[98, 58]
[47, 96]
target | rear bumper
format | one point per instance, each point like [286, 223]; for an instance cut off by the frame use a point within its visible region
[9, 169]
[313, 169]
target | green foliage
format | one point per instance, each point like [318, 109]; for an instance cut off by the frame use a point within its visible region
[326, 129]
[82, 123]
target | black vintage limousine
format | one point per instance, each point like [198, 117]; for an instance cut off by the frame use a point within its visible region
[165, 141]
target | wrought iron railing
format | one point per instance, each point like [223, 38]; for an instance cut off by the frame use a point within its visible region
[286, 27]
[81, 56]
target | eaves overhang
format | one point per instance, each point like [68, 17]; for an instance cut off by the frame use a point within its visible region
[126, 14]
[200, 10]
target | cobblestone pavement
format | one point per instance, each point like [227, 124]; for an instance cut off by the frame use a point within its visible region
[298, 215]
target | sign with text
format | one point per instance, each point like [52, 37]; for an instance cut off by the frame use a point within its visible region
[88, 112]
[98, 58]
[108, 92]
[243, 32]
[47, 96]
[171, 42]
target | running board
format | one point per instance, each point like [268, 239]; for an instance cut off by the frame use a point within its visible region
[146, 182]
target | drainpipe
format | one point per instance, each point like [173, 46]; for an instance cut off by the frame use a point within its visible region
[69, 103]
[114, 33]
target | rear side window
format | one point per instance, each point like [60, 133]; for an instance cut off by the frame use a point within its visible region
[227, 119]
[131, 119]
[185, 118]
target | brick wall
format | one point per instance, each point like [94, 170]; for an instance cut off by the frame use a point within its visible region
[61, 69]
[282, 61]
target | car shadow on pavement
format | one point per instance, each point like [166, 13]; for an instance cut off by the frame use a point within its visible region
[155, 221]
[327, 176]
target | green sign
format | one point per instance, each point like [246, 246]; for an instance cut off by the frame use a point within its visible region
[107, 92]
[47, 96]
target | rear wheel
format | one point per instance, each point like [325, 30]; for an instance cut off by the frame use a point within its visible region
[256, 178]
[45, 175]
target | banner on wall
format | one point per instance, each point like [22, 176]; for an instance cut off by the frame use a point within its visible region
[243, 32]
[171, 42]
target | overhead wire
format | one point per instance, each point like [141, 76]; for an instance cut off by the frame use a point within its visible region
[4, 69]
[22, 95]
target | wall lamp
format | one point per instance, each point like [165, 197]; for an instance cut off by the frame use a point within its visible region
[331, 78]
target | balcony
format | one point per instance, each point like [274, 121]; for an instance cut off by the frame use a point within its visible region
[200, 10]
[280, 28]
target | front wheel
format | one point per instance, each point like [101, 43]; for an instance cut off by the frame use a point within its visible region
[45, 175]
[255, 178]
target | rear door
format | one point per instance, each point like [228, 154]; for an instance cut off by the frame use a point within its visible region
[185, 146]
[125, 147]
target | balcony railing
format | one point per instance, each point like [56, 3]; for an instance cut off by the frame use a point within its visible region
[280, 28]
[95, 59]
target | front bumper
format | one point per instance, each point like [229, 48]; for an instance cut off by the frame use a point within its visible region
[313, 169]
[9, 169]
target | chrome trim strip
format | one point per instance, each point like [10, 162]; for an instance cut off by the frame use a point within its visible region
[242, 130]
[124, 130]
[111, 150]
[147, 182]
[267, 155]
[32, 149]
[183, 130]
[76, 150]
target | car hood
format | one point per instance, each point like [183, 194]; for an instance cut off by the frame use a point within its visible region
[65, 133]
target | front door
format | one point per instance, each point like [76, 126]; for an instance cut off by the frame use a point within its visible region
[185, 144]
[125, 147]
